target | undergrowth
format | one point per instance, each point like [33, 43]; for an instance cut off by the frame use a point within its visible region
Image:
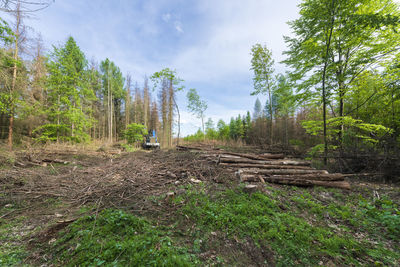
[117, 238]
[275, 222]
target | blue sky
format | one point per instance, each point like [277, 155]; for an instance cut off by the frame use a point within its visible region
[207, 41]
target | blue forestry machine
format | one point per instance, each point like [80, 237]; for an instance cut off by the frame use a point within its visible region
[151, 141]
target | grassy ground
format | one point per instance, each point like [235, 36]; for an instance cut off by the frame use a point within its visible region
[213, 223]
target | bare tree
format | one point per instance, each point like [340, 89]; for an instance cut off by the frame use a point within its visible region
[24, 6]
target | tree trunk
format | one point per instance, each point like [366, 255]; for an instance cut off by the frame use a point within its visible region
[271, 162]
[255, 157]
[271, 131]
[14, 79]
[260, 166]
[179, 121]
[282, 171]
[301, 182]
[324, 100]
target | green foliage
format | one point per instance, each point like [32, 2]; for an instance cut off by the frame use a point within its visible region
[340, 38]
[135, 132]
[284, 99]
[167, 74]
[53, 132]
[6, 33]
[366, 132]
[198, 136]
[196, 105]
[271, 220]
[112, 75]
[223, 130]
[262, 66]
[66, 87]
[117, 238]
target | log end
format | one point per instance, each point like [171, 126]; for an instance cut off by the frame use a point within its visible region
[250, 188]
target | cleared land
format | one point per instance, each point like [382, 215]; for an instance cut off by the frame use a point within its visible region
[181, 208]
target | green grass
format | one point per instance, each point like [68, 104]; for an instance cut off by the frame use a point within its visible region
[116, 238]
[11, 252]
[273, 221]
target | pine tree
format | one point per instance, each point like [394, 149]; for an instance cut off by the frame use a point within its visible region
[257, 109]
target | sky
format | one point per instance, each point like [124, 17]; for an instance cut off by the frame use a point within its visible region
[207, 42]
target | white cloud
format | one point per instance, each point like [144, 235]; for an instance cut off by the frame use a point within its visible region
[178, 26]
[234, 26]
[166, 17]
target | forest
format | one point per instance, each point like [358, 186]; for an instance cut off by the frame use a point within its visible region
[308, 176]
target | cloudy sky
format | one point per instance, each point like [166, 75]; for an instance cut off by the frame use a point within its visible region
[207, 41]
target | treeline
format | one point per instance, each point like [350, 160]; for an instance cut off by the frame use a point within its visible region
[340, 98]
[60, 95]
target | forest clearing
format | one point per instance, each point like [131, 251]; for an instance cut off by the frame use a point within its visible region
[70, 207]
[200, 133]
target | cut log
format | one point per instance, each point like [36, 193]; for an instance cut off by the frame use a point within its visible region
[256, 157]
[229, 156]
[298, 182]
[261, 166]
[246, 177]
[283, 171]
[314, 176]
[265, 162]
[250, 188]
[185, 148]
[55, 161]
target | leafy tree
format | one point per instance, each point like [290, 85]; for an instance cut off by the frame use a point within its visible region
[6, 33]
[65, 88]
[211, 134]
[239, 127]
[223, 130]
[262, 66]
[135, 132]
[196, 105]
[335, 42]
[285, 104]
[233, 132]
[247, 126]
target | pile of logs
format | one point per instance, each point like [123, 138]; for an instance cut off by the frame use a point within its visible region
[271, 168]
[274, 168]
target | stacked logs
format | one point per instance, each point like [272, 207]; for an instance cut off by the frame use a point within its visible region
[275, 168]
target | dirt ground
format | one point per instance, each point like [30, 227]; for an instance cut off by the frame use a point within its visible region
[52, 188]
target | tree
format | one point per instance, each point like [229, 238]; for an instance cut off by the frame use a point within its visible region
[257, 109]
[262, 66]
[176, 85]
[284, 102]
[113, 86]
[6, 33]
[66, 87]
[211, 134]
[128, 100]
[196, 106]
[27, 6]
[135, 132]
[12, 96]
[223, 130]
[335, 42]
